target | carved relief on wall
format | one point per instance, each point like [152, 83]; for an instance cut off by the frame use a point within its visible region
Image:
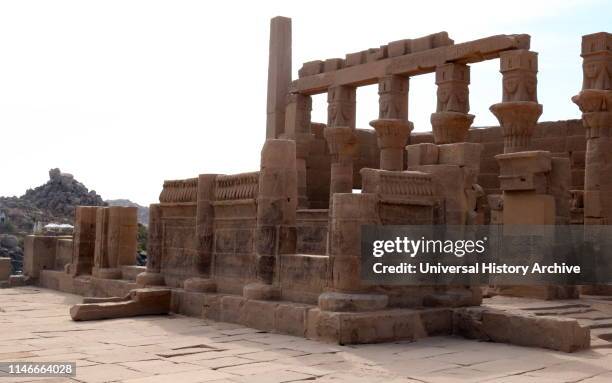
[179, 191]
[237, 186]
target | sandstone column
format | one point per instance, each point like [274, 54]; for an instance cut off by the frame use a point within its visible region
[276, 215]
[595, 102]
[152, 275]
[519, 110]
[279, 75]
[297, 128]
[84, 240]
[116, 241]
[204, 231]
[451, 122]
[347, 293]
[392, 126]
[340, 137]
[342, 144]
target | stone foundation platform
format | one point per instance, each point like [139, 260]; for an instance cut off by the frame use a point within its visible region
[488, 323]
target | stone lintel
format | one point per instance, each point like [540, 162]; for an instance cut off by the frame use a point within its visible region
[411, 64]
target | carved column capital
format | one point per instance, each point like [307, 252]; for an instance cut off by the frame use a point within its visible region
[393, 97]
[342, 142]
[517, 120]
[453, 92]
[597, 61]
[519, 69]
[392, 133]
[341, 106]
[450, 127]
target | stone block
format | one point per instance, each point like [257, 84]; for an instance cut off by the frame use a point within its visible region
[138, 302]
[536, 161]
[451, 181]
[465, 154]
[291, 318]
[398, 48]
[211, 307]
[333, 64]
[528, 208]
[231, 308]
[259, 314]
[63, 253]
[560, 177]
[557, 333]
[578, 178]
[5, 268]
[310, 68]
[522, 171]
[332, 301]
[422, 154]
[188, 303]
[353, 59]
[39, 254]
[131, 272]
[577, 159]
[375, 54]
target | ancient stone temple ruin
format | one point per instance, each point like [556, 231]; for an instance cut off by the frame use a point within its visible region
[278, 249]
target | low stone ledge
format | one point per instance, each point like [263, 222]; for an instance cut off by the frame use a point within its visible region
[521, 328]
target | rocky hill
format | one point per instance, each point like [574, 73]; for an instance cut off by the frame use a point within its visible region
[143, 211]
[53, 201]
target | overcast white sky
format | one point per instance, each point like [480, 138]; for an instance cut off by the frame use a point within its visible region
[124, 94]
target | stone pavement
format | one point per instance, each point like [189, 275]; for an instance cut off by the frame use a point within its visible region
[35, 326]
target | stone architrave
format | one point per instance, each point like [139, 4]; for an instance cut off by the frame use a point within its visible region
[451, 121]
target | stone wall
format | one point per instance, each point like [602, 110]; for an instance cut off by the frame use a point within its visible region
[561, 138]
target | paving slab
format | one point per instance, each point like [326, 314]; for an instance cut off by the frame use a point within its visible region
[173, 348]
